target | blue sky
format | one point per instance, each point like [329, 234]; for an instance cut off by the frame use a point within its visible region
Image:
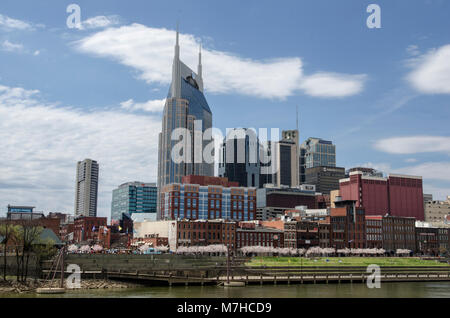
[382, 95]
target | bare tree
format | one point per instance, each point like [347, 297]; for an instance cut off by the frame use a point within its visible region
[8, 231]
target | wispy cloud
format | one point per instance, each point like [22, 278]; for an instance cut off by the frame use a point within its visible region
[150, 51]
[42, 142]
[11, 47]
[152, 106]
[414, 144]
[11, 24]
[431, 73]
[14, 24]
[428, 170]
[100, 21]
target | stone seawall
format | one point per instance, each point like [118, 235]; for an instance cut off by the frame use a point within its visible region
[114, 262]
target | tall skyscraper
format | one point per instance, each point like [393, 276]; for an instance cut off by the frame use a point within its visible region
[186, 107]
[134, 198]
[240, 157]
[86, 188]
[287, 160]
[316, 152]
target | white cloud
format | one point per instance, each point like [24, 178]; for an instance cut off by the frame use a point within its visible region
[100, 21]
[410, 160]
[333, 84]
[150, 51]
[11, 47]
[413, 50]
[428, 170]
[152, 106]
[14, 24]
[414, 144]
[431, 73]
[41, 143]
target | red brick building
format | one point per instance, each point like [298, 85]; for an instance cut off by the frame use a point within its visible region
[207, 200]
[397, 195]
[205, 232]
[347, 226]
[259, 236]
[301, 234]
[86, 228]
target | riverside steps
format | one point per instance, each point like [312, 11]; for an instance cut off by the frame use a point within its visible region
[172, 270]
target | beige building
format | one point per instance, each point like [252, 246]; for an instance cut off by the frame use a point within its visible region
[333, 195]
[157, 228]
[86, 188]
[437, 211]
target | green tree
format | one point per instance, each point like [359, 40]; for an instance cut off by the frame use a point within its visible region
[28, 234]
[8, 232]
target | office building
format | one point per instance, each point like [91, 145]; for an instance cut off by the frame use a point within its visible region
[272, 202]
[316, 152]
[396, 195]
[240, 157]
[207, 200]
[86, 188]
[287, 160]
[134, 198]
[185, 108]
[325, 179]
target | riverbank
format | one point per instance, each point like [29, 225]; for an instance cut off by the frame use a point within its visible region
[12, 286]
[342, 261]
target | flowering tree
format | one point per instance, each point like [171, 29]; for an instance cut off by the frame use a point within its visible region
[97, 248]
[162, 249]
[404, 252]
[72, 248]
[85, 249]
[195, 250]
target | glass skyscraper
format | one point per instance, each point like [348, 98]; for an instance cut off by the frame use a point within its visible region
[316, 152]
[186, 107]
[133, 198]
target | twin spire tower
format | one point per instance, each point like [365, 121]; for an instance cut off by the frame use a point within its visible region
[186, 107]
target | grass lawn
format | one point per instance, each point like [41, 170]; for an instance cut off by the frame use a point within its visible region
[341, 261]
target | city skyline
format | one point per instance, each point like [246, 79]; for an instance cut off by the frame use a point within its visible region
[378, 95]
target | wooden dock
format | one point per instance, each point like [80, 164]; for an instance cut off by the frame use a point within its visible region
[270, 275]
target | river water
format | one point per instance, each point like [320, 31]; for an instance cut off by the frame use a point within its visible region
[387, 290]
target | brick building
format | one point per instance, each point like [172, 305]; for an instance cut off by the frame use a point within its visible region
[398, 233]
[347, 225]
[259, 236]
[205, 232]
[397, 195]
[207, 198]
[427, 239]
[86, 228]
[301, 234]
[374, 231]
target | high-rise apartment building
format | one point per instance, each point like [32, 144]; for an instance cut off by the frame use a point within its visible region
[134, 198]
[240, 157]
[86, 188]
[185, 108]
[316, 152]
